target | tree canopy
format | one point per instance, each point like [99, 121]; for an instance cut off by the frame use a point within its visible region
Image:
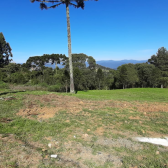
[160, 60]
[5, 51]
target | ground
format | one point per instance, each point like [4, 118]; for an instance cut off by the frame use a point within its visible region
[82, 133]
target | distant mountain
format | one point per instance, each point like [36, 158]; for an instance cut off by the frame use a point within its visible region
[53, 65]
[105, 63]
[115, 64]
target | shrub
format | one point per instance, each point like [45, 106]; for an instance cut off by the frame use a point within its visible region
[44, 84]
[54, 88]
[18, 78]
[3, 85]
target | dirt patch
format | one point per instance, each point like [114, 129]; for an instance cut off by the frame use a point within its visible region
[76, 151]
[52, 103]
[120, 142]
[5, 120]
[15, 153]
[99, 131]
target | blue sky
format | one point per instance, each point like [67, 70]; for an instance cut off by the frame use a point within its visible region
[106, 29]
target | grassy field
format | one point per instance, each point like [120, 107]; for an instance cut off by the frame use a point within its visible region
[137, 94]
[94, 129]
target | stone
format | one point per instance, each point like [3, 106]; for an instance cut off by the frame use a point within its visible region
[49, 145]
[53, 156]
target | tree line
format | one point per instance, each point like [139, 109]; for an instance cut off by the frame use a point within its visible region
[87, 74]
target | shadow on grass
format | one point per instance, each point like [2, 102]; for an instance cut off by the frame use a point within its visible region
[4, 93]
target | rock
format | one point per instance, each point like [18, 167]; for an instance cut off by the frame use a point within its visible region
[85, 135]
[49, 145]
[43, 150]
[157, 152]
[143, 131]
[88, 130]
[53, 156]
[46, 157]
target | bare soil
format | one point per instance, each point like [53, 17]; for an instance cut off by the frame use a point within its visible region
[75, 154]
[53, 103]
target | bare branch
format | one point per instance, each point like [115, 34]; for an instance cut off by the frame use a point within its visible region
[73, 4]
[54, 6]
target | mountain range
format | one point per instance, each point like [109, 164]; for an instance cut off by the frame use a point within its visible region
[115, 64]
[107, 63]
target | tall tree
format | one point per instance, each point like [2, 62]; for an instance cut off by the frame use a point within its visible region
[160, 60]
[144, 73]
[56, 3]
[123, 75]
[5, 51]
[99, 76]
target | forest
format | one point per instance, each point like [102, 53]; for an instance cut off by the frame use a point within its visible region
[87, 74]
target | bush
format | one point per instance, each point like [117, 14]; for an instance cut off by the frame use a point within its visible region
[18, 78]
[3, 85]
[44, 84]
[54, 88]
[34, 81]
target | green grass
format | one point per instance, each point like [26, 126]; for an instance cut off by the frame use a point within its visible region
[29, 131]
[137, 94]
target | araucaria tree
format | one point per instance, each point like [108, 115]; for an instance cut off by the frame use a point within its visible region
[5, 51]
[56, 3]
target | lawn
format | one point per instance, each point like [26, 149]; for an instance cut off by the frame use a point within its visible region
[137, 94]
[94, 129]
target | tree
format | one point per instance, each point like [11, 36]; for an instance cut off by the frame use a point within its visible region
[144, 73]
[5, 51]
[155, 77]
[123, 75]
[99, 76]
[92, 63]
[79, 4]
[109, 79]
[132, 75]
[160, 60]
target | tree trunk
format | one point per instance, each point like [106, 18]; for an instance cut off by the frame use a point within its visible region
[66, 86]
[123, 86]
[162, 86]
[99, 84]
[69, 51]
[56, 66]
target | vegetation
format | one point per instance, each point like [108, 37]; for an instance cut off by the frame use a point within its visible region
[56, 3]
[5, 51]
[87, 74]
[83, 133]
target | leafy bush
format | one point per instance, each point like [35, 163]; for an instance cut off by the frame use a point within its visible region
[18, 78]
[55, 88]
[34, 81]
[3, 85]
[44, 84]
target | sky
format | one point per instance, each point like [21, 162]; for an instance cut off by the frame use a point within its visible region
[105, 29]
